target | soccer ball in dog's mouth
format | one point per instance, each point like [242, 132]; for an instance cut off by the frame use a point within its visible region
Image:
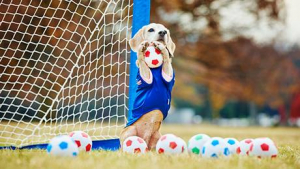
[153, 57]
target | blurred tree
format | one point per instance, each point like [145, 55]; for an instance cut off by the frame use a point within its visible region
[232, 48]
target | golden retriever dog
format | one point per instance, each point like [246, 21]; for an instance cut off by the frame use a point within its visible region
[154, 85]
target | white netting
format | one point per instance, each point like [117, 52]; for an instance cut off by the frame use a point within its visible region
[63, 67]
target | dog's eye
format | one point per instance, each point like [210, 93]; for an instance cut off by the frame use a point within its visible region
[151, 30]
[165, 32]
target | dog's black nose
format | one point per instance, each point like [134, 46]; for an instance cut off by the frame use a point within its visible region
[162, 33]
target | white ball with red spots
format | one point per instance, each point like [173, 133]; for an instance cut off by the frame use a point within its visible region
[170, 144]
[244, 147]
[82, 139]
[263, 147]
[134, 144]
[153, 57]
[183, 145]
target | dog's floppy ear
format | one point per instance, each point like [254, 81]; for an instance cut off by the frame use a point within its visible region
[137, 39]
[170, 45]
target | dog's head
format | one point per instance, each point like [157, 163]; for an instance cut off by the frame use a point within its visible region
[153, 32]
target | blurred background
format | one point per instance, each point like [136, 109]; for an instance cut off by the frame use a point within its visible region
[237, 62]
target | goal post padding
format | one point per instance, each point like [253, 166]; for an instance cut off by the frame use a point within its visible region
[111, 145]
[141, 17]
[64, 66]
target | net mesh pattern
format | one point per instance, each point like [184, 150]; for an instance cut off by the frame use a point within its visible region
[64, 66]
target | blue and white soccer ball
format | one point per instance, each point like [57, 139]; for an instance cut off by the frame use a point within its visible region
[215, 147]
[63, 146]
[196, 143]
[233, 144]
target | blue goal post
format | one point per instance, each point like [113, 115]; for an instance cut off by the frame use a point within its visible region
[141, 17]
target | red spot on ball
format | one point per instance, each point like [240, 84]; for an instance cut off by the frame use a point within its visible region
[247, 152]
[160, 151]
[147, 53]
[251, 147]
[84, 135]
[155, 62]
[163, 138]
[78, 143]
[71, 134]
[273, 156]
[157, 51]
[238, 150]
[128, 143]
[264, 147]
[137, 150]
[182, 149]
[88, 147]
[248, 141]
[173, 145]
[140, 140]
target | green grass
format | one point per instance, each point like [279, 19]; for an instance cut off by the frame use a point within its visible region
[287, 140]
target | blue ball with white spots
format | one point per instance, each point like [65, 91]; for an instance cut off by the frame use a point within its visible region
[232, 144]
[63, 146]
[215, 147]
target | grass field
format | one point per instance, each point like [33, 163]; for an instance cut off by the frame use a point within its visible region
[287, 140]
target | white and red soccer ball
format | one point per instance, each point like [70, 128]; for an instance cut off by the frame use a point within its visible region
[62, 146]
[244, 147]
[134, 144]
[195, 144]
[82, 140]
[263, 147]
[215, 147]
[153, 57]
[232, 144]
[170, 144]
[183, 145]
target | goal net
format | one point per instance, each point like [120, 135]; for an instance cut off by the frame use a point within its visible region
[63, 66]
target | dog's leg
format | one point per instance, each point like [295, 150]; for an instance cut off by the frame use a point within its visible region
[148, 124]
[147, 133]
[145, 71]
[153, 141]
[167, 66]
[127, 132]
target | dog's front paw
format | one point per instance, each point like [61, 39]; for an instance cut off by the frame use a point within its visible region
[143, 46]
[158, 45]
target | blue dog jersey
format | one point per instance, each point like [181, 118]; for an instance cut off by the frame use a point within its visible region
[154, 96]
